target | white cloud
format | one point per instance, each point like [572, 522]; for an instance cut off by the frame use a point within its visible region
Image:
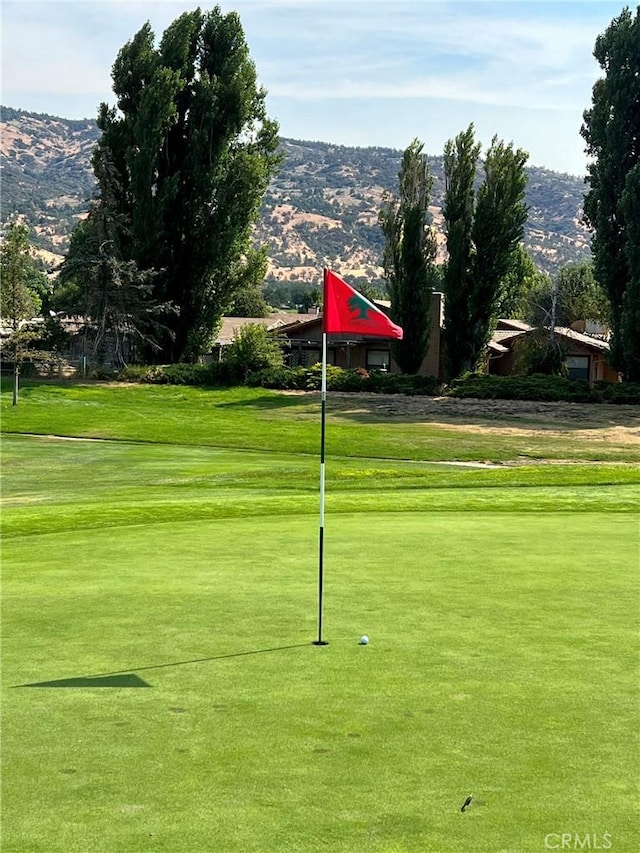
[376, 64]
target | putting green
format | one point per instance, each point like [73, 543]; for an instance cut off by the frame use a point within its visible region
[502, 663]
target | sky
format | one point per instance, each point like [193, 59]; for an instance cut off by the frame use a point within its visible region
[348, 72]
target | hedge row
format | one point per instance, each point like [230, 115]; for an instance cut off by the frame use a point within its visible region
[282, 378]
[543, 388]
[310, 378]
[479, 386]
[211, 375]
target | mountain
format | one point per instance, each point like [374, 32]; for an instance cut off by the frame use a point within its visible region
[321, 210]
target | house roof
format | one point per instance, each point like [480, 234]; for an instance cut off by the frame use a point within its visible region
[230, 325]
[585, 340]
[503, 337]
[304, 322]
[505, 324]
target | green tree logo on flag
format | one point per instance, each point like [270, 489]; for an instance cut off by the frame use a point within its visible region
[360, 305]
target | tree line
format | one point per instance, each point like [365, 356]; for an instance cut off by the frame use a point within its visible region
[487, 273]
[186, 155]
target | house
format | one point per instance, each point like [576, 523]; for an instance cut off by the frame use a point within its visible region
[585, 354]
[232, 325]
[304, 336]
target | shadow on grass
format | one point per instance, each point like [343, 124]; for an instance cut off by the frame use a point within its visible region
[128, 678]
[275, 400]
[29, 384]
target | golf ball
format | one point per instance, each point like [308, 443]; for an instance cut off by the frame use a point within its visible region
[364, 640]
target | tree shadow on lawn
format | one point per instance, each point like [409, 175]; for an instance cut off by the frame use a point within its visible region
[128, 678]
[275, 400]
[29, 384]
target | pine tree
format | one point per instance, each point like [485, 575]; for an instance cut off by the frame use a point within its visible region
[112, 294]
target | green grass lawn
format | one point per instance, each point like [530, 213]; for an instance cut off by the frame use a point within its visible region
[169, 588]
[258, 419]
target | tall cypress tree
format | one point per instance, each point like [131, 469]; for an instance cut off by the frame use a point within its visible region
[611, 130]
[630, 324]
[460, 164]
[484, 229]
[409, 258]
[498, 228]
[193, 151]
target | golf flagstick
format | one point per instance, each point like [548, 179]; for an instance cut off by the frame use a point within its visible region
[344, 311]
[323, 406]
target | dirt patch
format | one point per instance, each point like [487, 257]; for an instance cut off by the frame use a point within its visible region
[525, 417]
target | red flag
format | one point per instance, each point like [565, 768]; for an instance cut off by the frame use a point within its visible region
[347, 311]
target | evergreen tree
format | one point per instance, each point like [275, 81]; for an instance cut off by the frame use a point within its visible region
[113, 295]
[409, 257]
[611, 130]
[193, 151]
[483, 228]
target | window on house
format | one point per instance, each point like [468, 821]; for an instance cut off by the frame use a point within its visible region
[304, 357]
[311, 357]
[378, 359]
[578, 367]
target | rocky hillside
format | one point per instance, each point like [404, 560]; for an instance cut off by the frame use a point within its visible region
[320, 211]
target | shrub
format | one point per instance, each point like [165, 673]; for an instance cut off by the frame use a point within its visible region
[178, 374]
[253, 349]
[310, 379]
[279, 378]
[480, 386]
[618, 392]
[394, 383]
[536, 387]
[106, 374]
[133, 373]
